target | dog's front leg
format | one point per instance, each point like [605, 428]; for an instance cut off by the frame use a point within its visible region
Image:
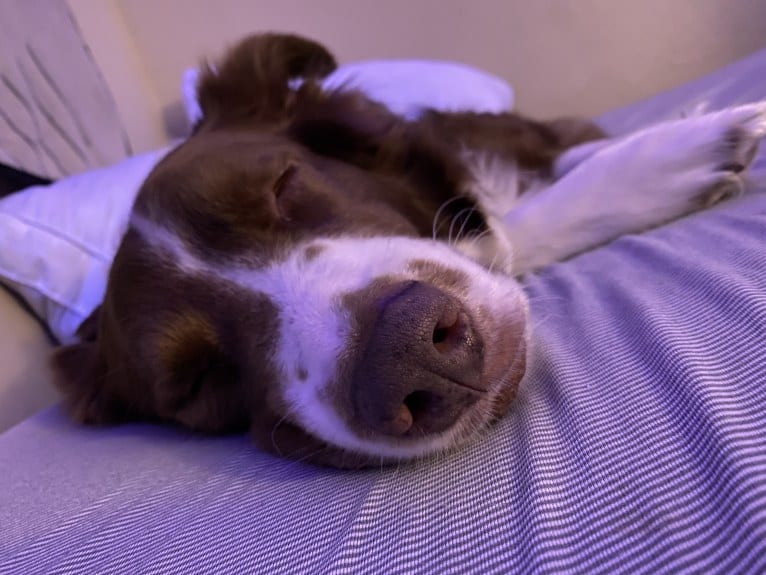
[635, 183]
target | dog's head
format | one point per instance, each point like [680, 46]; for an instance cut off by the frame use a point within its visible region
[288, 270]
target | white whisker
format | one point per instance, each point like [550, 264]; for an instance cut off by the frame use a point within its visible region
[450, 239]
[436, 225]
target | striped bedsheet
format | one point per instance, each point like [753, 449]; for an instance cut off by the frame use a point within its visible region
[637, 445]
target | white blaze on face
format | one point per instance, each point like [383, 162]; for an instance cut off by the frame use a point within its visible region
[314, 326]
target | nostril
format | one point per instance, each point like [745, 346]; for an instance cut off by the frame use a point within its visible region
[422, 405]
[449, 331]
[418, 363]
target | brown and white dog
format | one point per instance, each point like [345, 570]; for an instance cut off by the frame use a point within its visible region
[339, 281]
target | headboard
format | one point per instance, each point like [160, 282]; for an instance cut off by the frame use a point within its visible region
[57, 115]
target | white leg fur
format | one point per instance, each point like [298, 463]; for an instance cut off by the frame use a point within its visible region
[573, 157]
[634, 183]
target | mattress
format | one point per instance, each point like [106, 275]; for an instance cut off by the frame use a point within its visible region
[637, 443]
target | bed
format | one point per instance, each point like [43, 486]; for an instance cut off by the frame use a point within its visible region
[637, 443]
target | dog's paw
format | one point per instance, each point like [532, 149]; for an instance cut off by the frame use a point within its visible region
[728, 185]
[735, 135]
[635, 183]
[743, 129]
[688, 164]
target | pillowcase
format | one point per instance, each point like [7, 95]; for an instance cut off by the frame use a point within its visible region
[57, 241]
[406, 87]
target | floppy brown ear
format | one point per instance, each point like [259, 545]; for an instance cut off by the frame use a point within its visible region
[252, 80]
[74, 374]
[79, 373]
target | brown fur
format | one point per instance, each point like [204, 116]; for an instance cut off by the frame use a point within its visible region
[266, 168]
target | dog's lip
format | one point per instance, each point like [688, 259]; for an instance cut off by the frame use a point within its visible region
[508, 381]
[508, 347]
[519, 355]
[462, 384]
[505, 340]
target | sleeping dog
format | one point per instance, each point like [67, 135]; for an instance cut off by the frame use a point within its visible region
[340, 282]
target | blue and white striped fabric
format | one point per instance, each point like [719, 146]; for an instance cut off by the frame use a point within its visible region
[637, 444]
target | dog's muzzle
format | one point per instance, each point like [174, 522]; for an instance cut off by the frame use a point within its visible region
[420, 366]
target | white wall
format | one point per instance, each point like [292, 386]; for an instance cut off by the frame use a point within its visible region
[135, 93]
[562, 56]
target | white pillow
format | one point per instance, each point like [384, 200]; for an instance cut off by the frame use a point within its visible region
[57, 242]
[406, 87]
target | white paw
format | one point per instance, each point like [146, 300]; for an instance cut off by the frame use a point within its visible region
[728, 142]
[674, 168]
[744, 127]
[636, 183]
[752, 117]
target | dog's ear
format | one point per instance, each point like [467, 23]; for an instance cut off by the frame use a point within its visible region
[79, 373]
[252, 82]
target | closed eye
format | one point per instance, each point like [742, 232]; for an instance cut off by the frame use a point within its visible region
[284, 180]
[193, 379]
[199, 380]
[281, 185]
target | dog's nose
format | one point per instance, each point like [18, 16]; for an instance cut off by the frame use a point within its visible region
[422, 364]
